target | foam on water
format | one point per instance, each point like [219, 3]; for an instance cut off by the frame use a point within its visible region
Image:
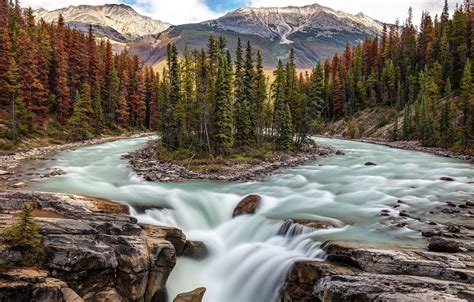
[250, 255]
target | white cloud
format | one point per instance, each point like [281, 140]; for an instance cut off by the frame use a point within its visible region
[171, 11]
[383, 10]
[176, 11]
[189, 11]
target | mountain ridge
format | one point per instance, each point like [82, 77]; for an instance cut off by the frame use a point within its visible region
[108, 18]
[315, 32]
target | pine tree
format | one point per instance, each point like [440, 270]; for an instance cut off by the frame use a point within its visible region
[99, 120]
[466, 105]
[245, 116]
[24, 237]
[311, 111]
[79, 124]
[285, 135]
[260, 96]
[223, 135]
[170, 138]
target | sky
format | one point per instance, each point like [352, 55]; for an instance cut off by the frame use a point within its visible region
[190, 11]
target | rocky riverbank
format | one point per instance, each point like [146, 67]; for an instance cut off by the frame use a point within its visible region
[416, 146]
[17, 168]
[442, 271]
[94, 251]
[146, 164]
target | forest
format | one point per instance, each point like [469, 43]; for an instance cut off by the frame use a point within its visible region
[70, 85]
[424, 72]
[60, 83]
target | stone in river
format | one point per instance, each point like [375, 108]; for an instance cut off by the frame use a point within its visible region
[447, 178]
[440, 244]
[192, 296]
[248, 205]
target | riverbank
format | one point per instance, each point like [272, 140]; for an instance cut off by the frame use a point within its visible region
[145, 163]
[409, 145]
[95, 251]
[17, 168]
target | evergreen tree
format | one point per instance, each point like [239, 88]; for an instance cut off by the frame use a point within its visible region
[24, 237]
[466, 106]
[79, 124]
[260, 96]
[171, 137]
[223, 135]
[311, 111]
[284, 132]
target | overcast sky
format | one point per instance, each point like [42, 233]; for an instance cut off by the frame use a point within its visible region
[187, 11]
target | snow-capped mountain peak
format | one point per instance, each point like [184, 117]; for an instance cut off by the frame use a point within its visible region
[283, 22]
[117, 21]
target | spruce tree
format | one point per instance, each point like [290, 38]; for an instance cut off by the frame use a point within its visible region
[260, 96]
[79, 125]
[284, 131]
[466, 105]
[223, 135]
[24, 237]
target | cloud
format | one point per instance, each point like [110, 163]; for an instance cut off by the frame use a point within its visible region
[171, 11]
[176, 11]
[190, 11]
[386, 11]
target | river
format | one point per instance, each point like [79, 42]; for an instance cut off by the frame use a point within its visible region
[248, 258]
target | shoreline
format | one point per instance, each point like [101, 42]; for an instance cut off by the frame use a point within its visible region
[21, 166]
[408, 145]
[145, 164]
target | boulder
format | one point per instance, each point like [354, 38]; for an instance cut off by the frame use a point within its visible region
[248, 205]
[396, 262]
[376, 287]
[195, 249]
[304, 275]
[171, 234]
[23, 284]
[192, 296]
[94, 247]
[443, 245]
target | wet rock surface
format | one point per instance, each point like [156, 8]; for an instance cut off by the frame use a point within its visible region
[146, 164]
[192, 296]
[94, 251]
[442, 271]
[247, 206]
[352, 273]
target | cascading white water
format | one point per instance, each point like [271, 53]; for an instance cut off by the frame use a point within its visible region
[250, 255]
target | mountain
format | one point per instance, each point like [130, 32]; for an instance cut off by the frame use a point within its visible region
[310, 21]
[315, 32]
[119, 22]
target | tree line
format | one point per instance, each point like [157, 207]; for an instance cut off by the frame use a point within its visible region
[212, 102]
[53, 78]
[425, 73]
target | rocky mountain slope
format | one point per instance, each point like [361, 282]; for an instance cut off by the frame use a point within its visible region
[314, 31]
[116, 21]
[294, 23]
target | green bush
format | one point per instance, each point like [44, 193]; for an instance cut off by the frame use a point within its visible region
[24, 236]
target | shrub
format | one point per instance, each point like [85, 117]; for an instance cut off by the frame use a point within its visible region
[24, 236]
